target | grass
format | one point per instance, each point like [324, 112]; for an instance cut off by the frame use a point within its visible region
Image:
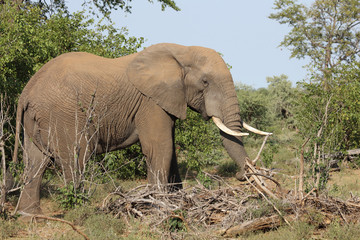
[337, 231]
[342, 183]
[9, 228]
[299, 231]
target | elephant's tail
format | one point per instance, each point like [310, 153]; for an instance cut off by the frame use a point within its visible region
[19, 116]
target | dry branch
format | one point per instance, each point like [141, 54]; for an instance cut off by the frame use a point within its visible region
[260, 183]
[261, 148]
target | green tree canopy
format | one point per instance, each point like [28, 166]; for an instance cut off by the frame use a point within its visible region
[327, 110]
[282, 94]
[327, 32]
[105, 7]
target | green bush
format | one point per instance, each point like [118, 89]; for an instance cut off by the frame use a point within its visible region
[268, 153]
[175, 223]
[197, 141]
[127, 163]
[71, 197]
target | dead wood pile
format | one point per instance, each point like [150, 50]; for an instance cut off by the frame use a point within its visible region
[195, 205]
[229, 211]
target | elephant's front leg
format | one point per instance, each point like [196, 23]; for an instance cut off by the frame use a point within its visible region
[156, 134]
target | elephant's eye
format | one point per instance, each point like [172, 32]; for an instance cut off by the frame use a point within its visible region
[205, 82]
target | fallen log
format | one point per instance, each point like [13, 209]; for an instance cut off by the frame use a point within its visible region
[263, 223]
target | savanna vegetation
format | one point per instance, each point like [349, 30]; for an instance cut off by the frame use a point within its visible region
[317, 118]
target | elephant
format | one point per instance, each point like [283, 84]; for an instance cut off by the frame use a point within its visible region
[79, 103]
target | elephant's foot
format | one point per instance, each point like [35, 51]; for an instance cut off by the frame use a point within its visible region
[240, 176]
[30, 210]
[175, 187]
[28, 205]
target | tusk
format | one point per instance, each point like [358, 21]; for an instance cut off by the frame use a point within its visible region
[225, 129]
[254, 130]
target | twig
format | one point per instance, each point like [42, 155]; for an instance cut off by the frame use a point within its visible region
[259, 182]
[342, 215]
[263, 195]
[262, 147]
[268, 177]
[308, 194]
[59, 220]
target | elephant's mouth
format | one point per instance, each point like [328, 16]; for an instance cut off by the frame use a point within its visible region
[225, 129]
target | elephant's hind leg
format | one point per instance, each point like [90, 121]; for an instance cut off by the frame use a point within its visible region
[35, 165]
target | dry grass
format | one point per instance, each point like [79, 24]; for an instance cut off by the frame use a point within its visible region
[344, 184]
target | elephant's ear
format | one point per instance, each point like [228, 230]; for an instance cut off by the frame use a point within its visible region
[158, 74]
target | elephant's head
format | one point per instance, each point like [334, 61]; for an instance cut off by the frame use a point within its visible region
[176, 76]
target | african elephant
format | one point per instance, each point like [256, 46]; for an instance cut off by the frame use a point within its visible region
[107, 104]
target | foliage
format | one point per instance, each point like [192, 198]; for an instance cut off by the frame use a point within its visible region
[254, 106]
[197, 140]
[71, 196]
[330, 118]
[175, 223]
[204, 179]
[128, 163]
[282, 96]
[106, 6]
[327, 32]
[51, 7]
[267, 156]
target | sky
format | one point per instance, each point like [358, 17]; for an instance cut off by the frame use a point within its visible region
[239, 29]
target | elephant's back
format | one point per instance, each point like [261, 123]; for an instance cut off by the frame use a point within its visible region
[70, 77]
[68, 85]
[73, 70]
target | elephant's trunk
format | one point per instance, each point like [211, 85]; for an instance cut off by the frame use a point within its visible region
[231, 118]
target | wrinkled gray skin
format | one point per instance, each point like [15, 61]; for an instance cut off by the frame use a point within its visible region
[119, 102]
